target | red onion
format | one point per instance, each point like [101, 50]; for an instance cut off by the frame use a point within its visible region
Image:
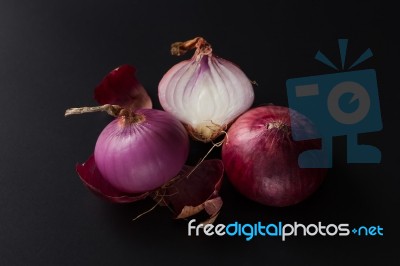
[140, 150]
[261, 158]
[206, 92]
[141, 153]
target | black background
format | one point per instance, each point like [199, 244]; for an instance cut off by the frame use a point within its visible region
[52, 55]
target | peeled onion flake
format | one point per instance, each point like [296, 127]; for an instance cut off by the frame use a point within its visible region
[93, 179]
[120, 87]
[195, 190]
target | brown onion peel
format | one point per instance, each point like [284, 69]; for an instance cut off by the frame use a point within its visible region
[193, 191]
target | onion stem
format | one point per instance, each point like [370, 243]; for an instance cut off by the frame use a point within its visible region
[278, 125]
[201, 45]
[113, 110]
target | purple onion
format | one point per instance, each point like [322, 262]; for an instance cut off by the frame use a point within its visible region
[141, 153]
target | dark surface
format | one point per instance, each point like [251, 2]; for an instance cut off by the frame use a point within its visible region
[53, 54]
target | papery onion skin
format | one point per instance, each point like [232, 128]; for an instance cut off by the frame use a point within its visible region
[261, 159]
[206, 93]
[195, 189]
[141, 156]
[121, 87]
[91, 177]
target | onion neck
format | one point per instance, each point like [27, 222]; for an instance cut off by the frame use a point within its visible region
[278, 125]
[128, 118]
